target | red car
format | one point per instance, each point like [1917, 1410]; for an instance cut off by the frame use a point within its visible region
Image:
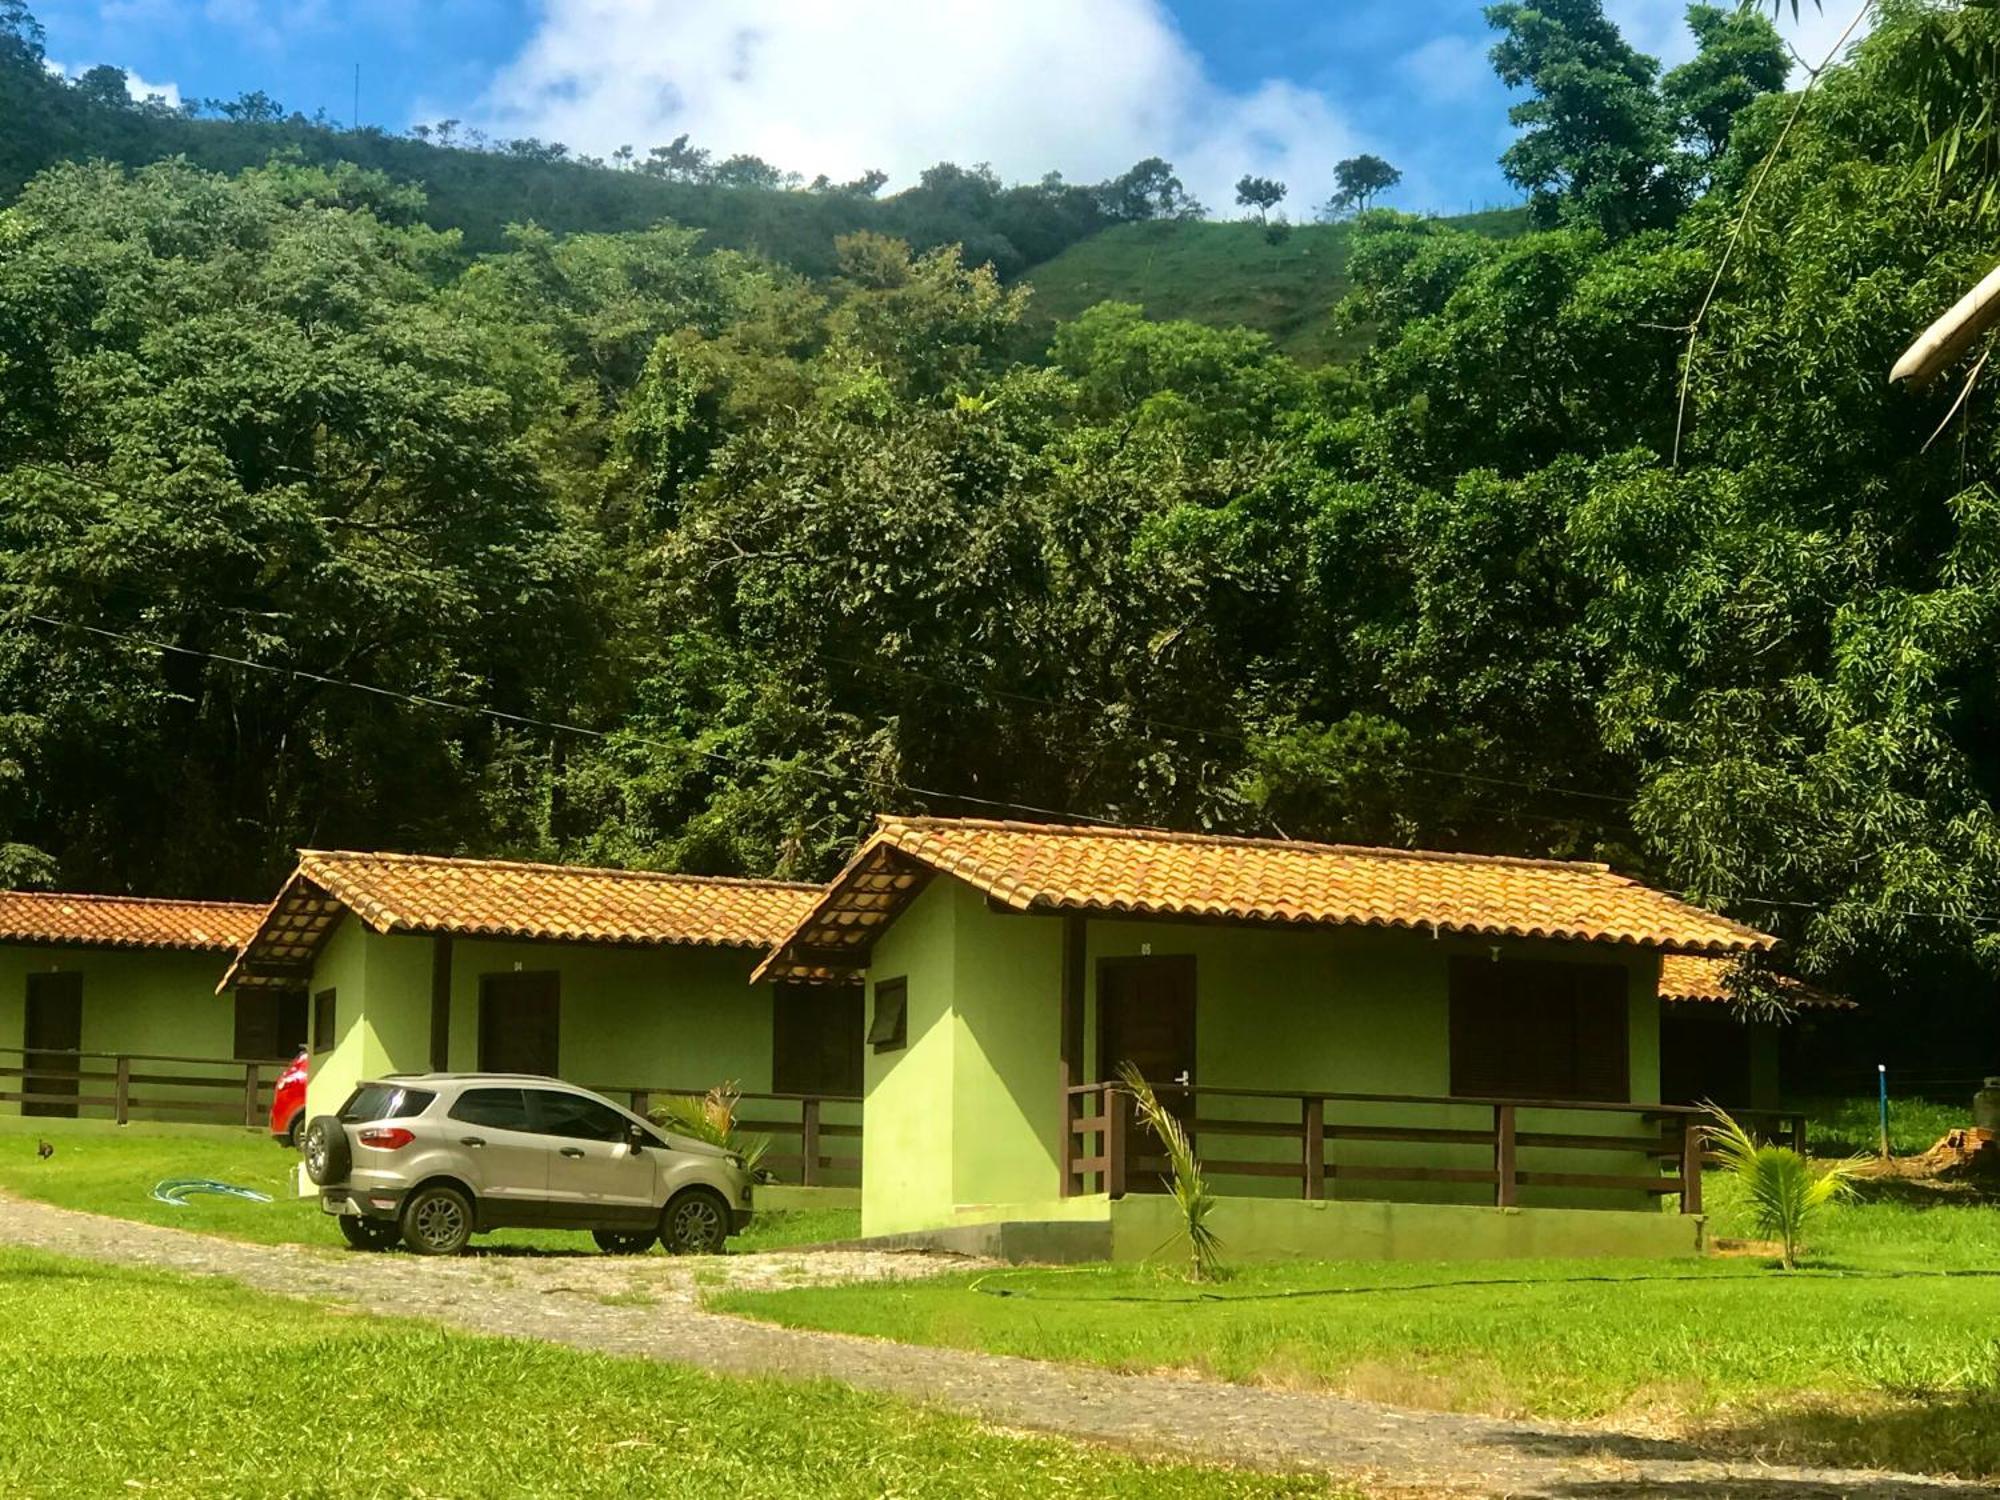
[288, 1104]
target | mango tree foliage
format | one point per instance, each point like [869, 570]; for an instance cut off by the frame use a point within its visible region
[235, 418]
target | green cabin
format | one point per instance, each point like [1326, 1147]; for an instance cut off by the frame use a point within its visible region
[632, 983]
[108, 1007]
[1374, 1051]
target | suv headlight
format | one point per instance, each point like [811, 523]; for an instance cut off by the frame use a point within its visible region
[735, 1161]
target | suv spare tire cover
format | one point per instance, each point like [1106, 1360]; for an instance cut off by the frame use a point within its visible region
[328, 1157]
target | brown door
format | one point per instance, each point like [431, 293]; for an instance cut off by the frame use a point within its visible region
[519, 1018]
[1145, 1016]
[55, 1021]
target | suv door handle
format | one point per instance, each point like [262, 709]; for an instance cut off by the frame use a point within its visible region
[572, 1151]
[470, 1140]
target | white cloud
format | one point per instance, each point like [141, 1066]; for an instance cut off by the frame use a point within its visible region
[1449, 67]
[139, 88]
[840, 86]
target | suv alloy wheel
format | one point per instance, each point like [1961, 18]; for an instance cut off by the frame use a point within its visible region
[437, 1220]
[696, 1223]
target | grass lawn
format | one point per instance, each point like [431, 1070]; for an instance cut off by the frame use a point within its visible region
[1841, 1361]
[1853, 1126]
[120, 1382]
[111, 1169]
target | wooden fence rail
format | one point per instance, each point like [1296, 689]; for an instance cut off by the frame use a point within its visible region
[1105, 1149]
[810, 1163]
[51, 1082]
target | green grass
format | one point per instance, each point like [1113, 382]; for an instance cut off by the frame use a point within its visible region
[1850, 1126]
[117, 1382]
[1220, 274]
[110, 1169]
[1841, 1361]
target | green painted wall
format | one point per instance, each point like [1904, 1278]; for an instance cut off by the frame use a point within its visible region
[342, 967]
[910, 1123]
[969, 1116]
[134, 1001]
[1366, 1012]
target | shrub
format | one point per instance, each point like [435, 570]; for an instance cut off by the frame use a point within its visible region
[1189, 1188]
[1785, 1191]
[711, 1117]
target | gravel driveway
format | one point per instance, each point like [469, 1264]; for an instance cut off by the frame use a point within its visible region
[649, 1308]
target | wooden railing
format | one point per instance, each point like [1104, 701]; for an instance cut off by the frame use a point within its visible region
[121, 1082]
[1783, 1127]
[811, 1163]
[1106, 1150]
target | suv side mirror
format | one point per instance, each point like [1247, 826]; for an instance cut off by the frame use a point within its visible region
[637, 1138]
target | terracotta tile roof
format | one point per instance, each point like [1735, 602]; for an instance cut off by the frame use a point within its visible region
[507, 899]
[1686, 979]
[125, 921]
[1035, 867]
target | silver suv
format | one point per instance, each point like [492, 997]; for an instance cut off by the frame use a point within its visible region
[438, 1157]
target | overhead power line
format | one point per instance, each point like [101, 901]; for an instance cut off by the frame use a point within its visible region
[557, 726]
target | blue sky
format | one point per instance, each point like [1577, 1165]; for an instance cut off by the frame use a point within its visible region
[1284, 87]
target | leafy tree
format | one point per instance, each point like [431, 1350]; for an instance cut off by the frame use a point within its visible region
[1359, 180]
[1148, 190]
[1260, 193]
[1740, 57]
[1596, 139]
[231, 422]
[746, 171]
[252, 108]
[677, 161]
[104, 86]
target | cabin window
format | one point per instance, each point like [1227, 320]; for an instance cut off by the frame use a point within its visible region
[816, 1032]
[323, 1031]
[270, 1024]
[890, 1030]
[1524, 1029]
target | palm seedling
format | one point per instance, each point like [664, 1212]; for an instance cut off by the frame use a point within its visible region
[1189, 1189]
[1784, 1191]
[711, 1117]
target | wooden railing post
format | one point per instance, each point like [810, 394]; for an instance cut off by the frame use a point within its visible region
[250, 1094]
[642, 1103]
[809, 1142]
[1312, 1118]
[1115, 1107]
[121, 1093]
[1691, 1154]
[1066, 1149]
[1799, 1134]
[1504, 1168]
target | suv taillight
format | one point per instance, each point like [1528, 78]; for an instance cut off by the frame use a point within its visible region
[386, 1138]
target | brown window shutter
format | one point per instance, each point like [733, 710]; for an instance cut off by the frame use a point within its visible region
[1535, 1029]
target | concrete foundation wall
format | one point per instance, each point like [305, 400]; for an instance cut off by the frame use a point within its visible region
[1260, 1230]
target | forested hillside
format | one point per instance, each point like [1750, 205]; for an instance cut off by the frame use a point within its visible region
[479, 187]
[315, 530]
[1286, 281]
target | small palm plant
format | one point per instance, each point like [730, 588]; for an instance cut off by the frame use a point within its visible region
[1785, 1191]
[711, 1117]
[1190, 1189]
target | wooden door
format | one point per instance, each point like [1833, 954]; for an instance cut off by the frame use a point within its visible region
[55, 1022]
[520, 1018]
[1145, 1016]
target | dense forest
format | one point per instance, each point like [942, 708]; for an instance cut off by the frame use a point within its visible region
[323, 522]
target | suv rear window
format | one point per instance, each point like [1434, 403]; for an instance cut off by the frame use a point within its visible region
[383, 1101]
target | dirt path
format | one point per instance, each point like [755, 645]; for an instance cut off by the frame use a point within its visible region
[655, 1314]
